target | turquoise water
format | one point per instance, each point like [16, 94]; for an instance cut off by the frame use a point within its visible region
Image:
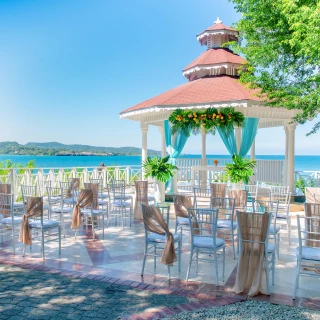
[307, 163]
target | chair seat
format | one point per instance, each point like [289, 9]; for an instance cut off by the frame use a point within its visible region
[8, 221]
[1, 217]
[68, 201]
[207, 242]
[183, 221]
[151, 198]
[18, 205]
[102, 195]
[119, 204]
[309, 253]
[154, 237]
[123, 197]
[271, 248]
[46, 224]
[64, 210]
[283, 215]
[226, 224]
[89, 213]
[54, 199]
[103, 202]
[271, 230]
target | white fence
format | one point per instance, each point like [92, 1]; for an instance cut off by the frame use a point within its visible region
[306, 179]
[18, 177]
[269, 171]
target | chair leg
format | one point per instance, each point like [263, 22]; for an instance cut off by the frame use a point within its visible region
[144, 259]
[273, 266]
[179, 261]
[169, 272]
[154, 257]
[197, 261]
[176, 227]
[42, 243]
[24, 250]
[216, 264]
[233, 248]
[289, 229]
[93, 230]
[296, 285]
[267, 273]
[190, 262]
[102, 226]
[224, 263]
[13, 241]
[59, 239]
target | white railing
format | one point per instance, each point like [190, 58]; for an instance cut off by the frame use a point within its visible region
[269, 171]
[25, 176]
[305, 179]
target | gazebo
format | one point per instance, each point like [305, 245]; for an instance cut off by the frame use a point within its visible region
[213, 83]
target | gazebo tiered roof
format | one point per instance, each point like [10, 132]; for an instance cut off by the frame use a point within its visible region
[213, 82]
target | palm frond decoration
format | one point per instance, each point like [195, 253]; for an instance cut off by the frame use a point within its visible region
[188, 121]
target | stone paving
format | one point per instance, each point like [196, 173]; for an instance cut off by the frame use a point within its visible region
[33, 294]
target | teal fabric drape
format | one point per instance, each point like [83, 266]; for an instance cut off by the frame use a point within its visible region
[229, 140]
[175, 148]
[249, 131]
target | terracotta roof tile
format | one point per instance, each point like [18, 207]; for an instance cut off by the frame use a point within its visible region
[216, 56]
[203, 90]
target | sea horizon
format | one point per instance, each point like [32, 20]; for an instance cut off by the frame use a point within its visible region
[302, 162]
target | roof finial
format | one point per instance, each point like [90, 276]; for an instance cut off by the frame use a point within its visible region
[218, 21]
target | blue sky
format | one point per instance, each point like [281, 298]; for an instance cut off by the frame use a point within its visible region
[68, 67]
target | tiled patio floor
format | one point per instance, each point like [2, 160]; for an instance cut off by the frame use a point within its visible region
[119, 256]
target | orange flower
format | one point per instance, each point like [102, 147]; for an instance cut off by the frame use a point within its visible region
[216, 162]
[194, 115]
[214, 115]
[179, 118]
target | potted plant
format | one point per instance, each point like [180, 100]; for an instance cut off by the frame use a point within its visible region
[161, 170]
[240, 170]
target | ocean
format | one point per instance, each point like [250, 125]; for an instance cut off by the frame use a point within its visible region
[302, 163]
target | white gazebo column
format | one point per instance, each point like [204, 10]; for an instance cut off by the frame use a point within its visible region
[285, 167]
[253, 150]
[203, 158]
[290, 162]
[163, 142]
[144, 140]
[238, 134]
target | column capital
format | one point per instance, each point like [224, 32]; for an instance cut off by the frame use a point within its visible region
[144, 127]
[291, 127]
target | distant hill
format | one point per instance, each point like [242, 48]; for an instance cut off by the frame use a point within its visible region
[59, 149]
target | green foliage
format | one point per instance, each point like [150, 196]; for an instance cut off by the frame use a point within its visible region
[192, 121]
[159, 168]
[241, 169]
[302, 184]
[6, 165]
[280, 42]
[55, 148]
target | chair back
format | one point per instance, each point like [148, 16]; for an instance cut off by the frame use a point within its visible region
[5, 188]
[253, 235]
[28, 191]
[201, 197]
[68, 190]
[309, 232]
[272, 207]
[181, 205]
[280, 189]
[118, 190]
[55, 195]
[42, 187]
[95, 188]
[263, 193]
[203, 222]
[240, 197]
[34, 207]
[218, 189]
[312, 195]
[6, 205]
[226, 208]
[99, 181]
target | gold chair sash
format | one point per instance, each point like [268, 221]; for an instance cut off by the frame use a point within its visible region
[95, 189]
[141, 198]
[85, 198]
[155, 223]
[74, 184]
[5, 188]
[251, 272]
[34, 208]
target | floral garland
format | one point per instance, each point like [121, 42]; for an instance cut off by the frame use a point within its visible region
[192, 121]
